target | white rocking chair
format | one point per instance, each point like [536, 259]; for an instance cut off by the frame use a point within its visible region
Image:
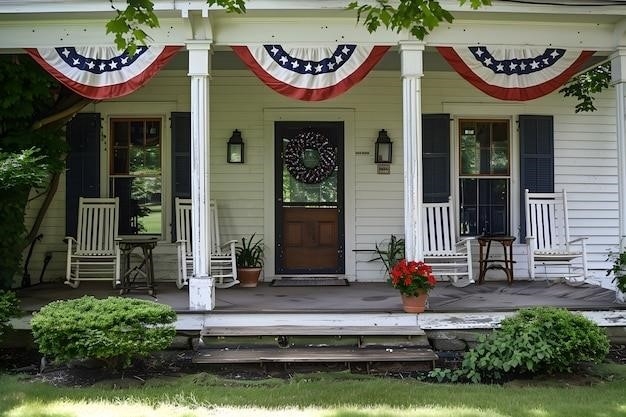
[223, 261]
[549, 244]
[95, 254]
[447, 256]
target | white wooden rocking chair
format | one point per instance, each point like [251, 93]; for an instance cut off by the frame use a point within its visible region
[551, 253]
[223, 257]
[449, 258]
[94, 255]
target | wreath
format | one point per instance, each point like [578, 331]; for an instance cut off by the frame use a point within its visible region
[294, 157]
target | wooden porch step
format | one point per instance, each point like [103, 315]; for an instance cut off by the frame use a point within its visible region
[294, 330]
[313, 355]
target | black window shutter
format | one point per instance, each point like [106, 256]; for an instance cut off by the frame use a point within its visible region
[436, 157]
[82, 176]
[536, 139]
[181, 159]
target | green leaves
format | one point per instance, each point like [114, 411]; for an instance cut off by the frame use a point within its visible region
[9, 307]
[231, 6]
[250, 253]
[127, 25]
[114, 330]
[533, 341]
[419, 17]
[22, 170]
[583, 86]
[389, 252]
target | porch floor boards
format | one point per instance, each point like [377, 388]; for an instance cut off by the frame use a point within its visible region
[359, 297]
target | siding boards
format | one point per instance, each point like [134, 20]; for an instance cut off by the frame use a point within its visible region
[238, 100]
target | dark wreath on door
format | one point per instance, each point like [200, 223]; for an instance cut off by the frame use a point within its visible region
[309, 198]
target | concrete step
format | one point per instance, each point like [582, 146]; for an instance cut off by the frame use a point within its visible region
[315, 355]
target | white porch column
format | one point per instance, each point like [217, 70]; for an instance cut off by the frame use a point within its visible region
[201, 285]
[618, 69]
[412, 72]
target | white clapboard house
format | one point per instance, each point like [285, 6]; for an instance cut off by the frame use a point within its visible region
[473, 113]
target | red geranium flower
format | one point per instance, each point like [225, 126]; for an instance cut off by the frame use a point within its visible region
[412, 277]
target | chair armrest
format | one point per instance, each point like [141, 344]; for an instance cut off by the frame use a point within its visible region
[464, 242]
[69, 239]
[230, 243]
[579, 239]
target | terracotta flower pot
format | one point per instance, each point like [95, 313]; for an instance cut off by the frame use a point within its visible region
[248, 277]
[414, 304]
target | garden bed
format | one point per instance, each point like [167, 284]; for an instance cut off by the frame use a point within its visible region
[172, 364]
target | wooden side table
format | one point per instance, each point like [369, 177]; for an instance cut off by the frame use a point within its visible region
[145, 268]
[486, 263]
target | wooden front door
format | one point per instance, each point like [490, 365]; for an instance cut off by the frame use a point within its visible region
[309, 198]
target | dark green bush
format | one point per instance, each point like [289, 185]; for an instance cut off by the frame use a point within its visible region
[9, 307]
[114, 330]
[539, 340]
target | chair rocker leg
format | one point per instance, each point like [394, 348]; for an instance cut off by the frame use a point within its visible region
[180, 283]
[220, 283]
[461, 282]
[74, 283]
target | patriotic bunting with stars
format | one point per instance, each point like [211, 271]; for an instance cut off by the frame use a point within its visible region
[103, 72]
[310, 74]
[515, 74]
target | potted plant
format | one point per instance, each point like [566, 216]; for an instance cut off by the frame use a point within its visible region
[389, 251]
[249, 258]
[619, 272]
[414, 279]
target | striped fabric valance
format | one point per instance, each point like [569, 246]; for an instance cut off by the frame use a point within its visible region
[102, 72]
[310, 74]
[516, 74]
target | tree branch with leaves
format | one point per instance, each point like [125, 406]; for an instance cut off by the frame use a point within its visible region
[419, 17]
[584, 86]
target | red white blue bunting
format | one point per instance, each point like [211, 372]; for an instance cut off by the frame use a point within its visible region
[310, 74]
[103, 72]
[515, 74]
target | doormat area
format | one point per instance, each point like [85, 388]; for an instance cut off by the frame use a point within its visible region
[310, 282]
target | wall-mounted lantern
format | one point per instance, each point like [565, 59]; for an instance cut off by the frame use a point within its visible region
[234, 153]
[383, 148]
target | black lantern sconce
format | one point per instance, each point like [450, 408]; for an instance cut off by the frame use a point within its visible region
[235, 153]
[383, 148]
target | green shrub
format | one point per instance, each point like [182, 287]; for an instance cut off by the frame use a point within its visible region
[113, 330]
[9, 307]
[539, 340]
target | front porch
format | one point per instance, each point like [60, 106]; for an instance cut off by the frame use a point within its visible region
[365, 304]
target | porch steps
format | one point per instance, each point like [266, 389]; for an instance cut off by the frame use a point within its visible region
[295, 330]
[315, 355]
[314, 344]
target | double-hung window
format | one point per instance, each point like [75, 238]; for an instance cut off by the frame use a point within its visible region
[484, 176]
[135, 174]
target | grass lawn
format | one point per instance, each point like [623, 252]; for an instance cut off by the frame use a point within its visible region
[152, 222]
[320, 394]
